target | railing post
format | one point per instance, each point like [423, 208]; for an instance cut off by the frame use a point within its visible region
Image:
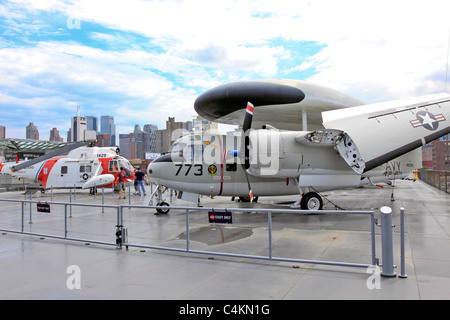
[65, 221]
[23, 213]
[129, 195]
[402, 243]
[103, 199]
[187, 230]
[372, 229]
[445, 181]
[31, 220]
[269, 218]
[70, 200]
[119, 227]
[386, 242]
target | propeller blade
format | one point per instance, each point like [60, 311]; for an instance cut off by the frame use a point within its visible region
[251, 195]
[248, 117]
[245, 127]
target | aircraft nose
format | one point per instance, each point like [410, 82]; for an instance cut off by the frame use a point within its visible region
[153, 169]
[150, 170]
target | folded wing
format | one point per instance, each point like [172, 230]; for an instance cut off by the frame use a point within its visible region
[377, 133]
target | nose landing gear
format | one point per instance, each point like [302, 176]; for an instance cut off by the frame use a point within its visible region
[160, 201]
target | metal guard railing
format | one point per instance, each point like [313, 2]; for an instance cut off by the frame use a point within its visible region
[439, 179]
[121, 229]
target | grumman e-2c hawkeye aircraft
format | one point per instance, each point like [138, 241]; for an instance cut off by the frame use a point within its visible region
[274, 154]
[83, 167]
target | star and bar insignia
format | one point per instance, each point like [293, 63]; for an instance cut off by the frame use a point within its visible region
[427, 120]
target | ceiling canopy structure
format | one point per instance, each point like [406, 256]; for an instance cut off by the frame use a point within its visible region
[12, 148]
[31, 146]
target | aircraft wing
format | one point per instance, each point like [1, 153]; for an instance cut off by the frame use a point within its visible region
[377, 133]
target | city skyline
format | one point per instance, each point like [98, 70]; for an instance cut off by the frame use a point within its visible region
[45, 136]
[63, 129]
[63, 133]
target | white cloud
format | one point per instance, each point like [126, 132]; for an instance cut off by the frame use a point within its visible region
[390, 47]
[373, 50]
[381, 50]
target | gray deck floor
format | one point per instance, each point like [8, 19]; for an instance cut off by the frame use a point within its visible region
[34, 267]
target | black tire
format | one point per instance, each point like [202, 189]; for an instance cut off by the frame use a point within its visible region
[311, 201]
[163, 210]
[244, 199]
[247, 199]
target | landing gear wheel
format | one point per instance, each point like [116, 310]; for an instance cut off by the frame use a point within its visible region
[247, 199]
[162, 210]
[311, 201]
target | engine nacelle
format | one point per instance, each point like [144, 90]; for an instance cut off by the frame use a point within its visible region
[290, 154]
[264, 152]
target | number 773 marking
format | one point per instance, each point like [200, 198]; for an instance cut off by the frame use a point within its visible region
[197, 172]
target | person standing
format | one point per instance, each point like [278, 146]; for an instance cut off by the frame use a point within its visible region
[139, 176]
[121, 177]
[135, 183]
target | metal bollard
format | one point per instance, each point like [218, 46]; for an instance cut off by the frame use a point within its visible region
[387, 247]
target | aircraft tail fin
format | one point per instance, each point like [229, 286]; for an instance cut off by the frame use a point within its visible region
[381, 132]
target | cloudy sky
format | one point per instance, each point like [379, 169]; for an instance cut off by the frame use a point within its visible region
[143, 61]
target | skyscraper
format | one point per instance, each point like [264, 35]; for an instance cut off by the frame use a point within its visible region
[108, 127]
[79, 125]
[92, 123]
[80, 130]
[174, 130]
[55, 136]
[151, 129]
[32, 132]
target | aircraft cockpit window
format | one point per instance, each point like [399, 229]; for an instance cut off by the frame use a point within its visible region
[114, 166]
[193, 153]
[176, 151]
[177, 146]
[125, 164]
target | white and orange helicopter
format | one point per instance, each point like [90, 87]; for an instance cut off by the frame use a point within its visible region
[82, 167]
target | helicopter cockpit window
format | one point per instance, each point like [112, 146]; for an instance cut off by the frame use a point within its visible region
[119, 162]
[114, 166]
[125, 164]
